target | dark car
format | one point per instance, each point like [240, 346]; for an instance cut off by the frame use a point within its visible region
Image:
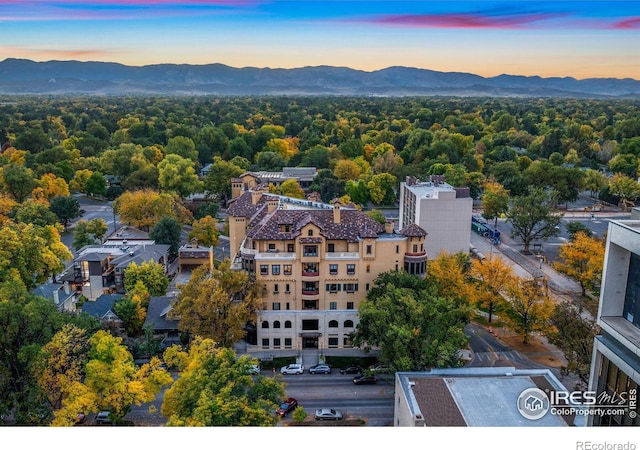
[351, 370]
[365, 379]
[287, 406]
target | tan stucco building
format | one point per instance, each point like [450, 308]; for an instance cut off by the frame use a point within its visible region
[317, 262]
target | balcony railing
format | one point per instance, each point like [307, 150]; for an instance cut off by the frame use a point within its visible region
[310, 291]
[342, 255]
[310, 274]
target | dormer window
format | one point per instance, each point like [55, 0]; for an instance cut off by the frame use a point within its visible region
[310, 233]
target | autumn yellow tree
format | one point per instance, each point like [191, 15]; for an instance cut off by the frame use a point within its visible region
[51, 186]
[582, 259]
[495, 201]
[80, 179]
[291, 188]
[112, 382]
[449, 272]
[218, 304]
[528, 307]
[6, 206]
[347, 169]
[492, 277]
[205, 231]
[145, 207]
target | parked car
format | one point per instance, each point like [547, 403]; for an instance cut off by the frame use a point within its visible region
[320, 368]
[103, 417]
[287, 406]
[292, 369]
[351, 370]
[328, 414]
[379, 368]
[254, 369]
[365, 379]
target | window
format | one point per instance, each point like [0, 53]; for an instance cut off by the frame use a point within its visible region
[287, 324]
[265, 324]
[276, 324]
[310, 250]
[272, 246]
[276, 288]
[286, 289]
[350, 287]
[290, 248]
[333, 324]
[310, 324]
[310, 233]
[333, 269]
[333, 342]
[276, 306]
[287, 270]
[347, 342]
[276, 342]
[351, 269]
[332, 287]
[264, 269]
[367, 287]
[265, 343]
[287, 342]
[333, 305]
[275, 269]
[349, 305]
[331, 248]
[397, 249]
[348, 323]
[415, 248]
[368, 268]
[369, 249]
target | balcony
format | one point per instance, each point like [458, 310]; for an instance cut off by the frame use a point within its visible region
[310, 276]
[275, 256]
[310, 291]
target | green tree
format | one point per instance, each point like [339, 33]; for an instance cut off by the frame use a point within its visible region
[381, 189]
[216, 389]
[144, 208]
[299, 414]
[574, 334]
[595, 181]
[624, 187]
[492, 277]
[377, 215]
[167, 231]
[182, 146]
[178, 174]
[65, 209]
[36, 213]
[205, 231]
[217, 183]
[218, 304]
[17, 181]
[151, 274]
[414, 328]
[89, 232]
[532, 217]
[291, 188]
[112, 382]
[96, 184]
[327, 185]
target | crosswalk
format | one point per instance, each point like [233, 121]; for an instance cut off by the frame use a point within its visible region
[494, 356]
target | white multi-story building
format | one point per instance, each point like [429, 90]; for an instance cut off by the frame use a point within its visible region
[615, 366]
[443, 211]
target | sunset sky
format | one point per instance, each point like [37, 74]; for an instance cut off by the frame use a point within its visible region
[581, 39]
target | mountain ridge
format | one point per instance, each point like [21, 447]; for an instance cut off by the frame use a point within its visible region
[24, 76]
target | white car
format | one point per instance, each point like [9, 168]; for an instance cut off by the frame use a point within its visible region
[292, 369]
[328, 414]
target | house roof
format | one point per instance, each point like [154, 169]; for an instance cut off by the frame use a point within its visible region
[354, 225]
[139, 254]
[157, 314]
[101, 305]
[413, 230]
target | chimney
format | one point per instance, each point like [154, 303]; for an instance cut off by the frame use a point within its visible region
[255, 197]
[194, 243]
[410, 180]
[272, 205]
[56, 297]
[388, 226]
[336, 211]
[67, 288]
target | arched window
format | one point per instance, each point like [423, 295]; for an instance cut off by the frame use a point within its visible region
[276, 324]
[348, 323]
[333, 324]
[265, 324]
[287, 324]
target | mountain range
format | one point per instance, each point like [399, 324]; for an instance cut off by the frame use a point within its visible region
[22, 76]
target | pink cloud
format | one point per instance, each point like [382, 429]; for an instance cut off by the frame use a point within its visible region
[628, 24]
[469, 20]
[57, 53]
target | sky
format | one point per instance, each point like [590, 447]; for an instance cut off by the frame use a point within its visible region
[581, 39]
